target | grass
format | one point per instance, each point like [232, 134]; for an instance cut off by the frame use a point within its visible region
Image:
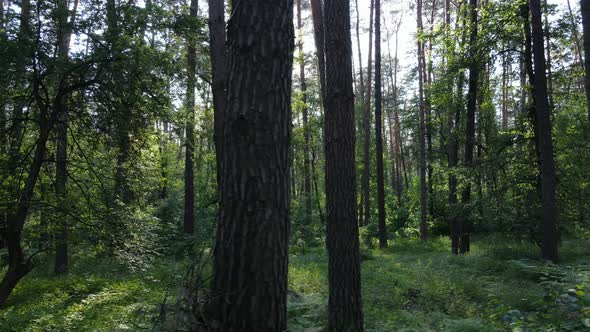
[499, 286]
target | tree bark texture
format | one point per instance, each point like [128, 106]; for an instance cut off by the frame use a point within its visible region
[251, 258]
[344, 300]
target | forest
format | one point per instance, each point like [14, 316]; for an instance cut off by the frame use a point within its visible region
[295, 165]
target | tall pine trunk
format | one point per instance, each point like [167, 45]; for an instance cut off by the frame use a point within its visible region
[379, 130]
[306, 162]
[251, 259]
[189, 175]
[61, 173]
[585, 6]
[344, 300]
[422, 127]
[366, 181]
[470, 122]
[544, 138]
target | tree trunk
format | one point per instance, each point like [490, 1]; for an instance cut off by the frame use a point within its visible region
[358, 44]
[189, 175]
[218, 72]
[251, 258]
[344, 300]
[470, 122]
[306, 162]
[544, 139]
[366, 181]
[422, 127]
[379, 130]
[585, 6]
[317, 13]
[61, 244]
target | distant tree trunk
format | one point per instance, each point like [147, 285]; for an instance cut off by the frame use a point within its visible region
[366, 181]
[470, 121]
[453, 120]
[358, 44]
[544, 139]
[250, 265]
[306, 162]
[218, 72]
[504, 103]
[379, 130]
[585, 6]
[577, 46]
[317, 13]
[422, 127]
[61, 173]
[189, 175]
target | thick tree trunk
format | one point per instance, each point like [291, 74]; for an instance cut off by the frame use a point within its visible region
[422, 127]
[544, 139]
[366, 180]
[61, 174]
[585, 6]
[344, 301]
[250, 268]
[379, 130]
[189, 175]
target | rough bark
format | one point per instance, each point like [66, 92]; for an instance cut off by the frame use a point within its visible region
[344, 300]
[544, 139]
[366, 180]
[379, 130]
[585, 6]
[422, 127]
[250, 265]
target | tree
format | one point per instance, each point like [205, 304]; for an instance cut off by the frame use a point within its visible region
[544, 138]
[585, 6]
[189, 175]
[218, 71]
[470, 120]
[366, 180]
[422, 125]
[65, 32]
[306, 130]
[379, 129]
[250, 263]
[344, 299]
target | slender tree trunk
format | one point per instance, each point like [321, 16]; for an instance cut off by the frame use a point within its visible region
[189, 175]
[544, 139]
[585, 6]
[366, 181]
[470, 120]
[358, 44]
[61, 174]
[344, 300]
[251, 259]
[318, 31]
[306, 162]
[548, 52]
[379, 130]
[422, 127]
[578, 47]
[218, 72]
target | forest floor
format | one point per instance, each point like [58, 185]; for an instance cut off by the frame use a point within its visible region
[499, 286]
